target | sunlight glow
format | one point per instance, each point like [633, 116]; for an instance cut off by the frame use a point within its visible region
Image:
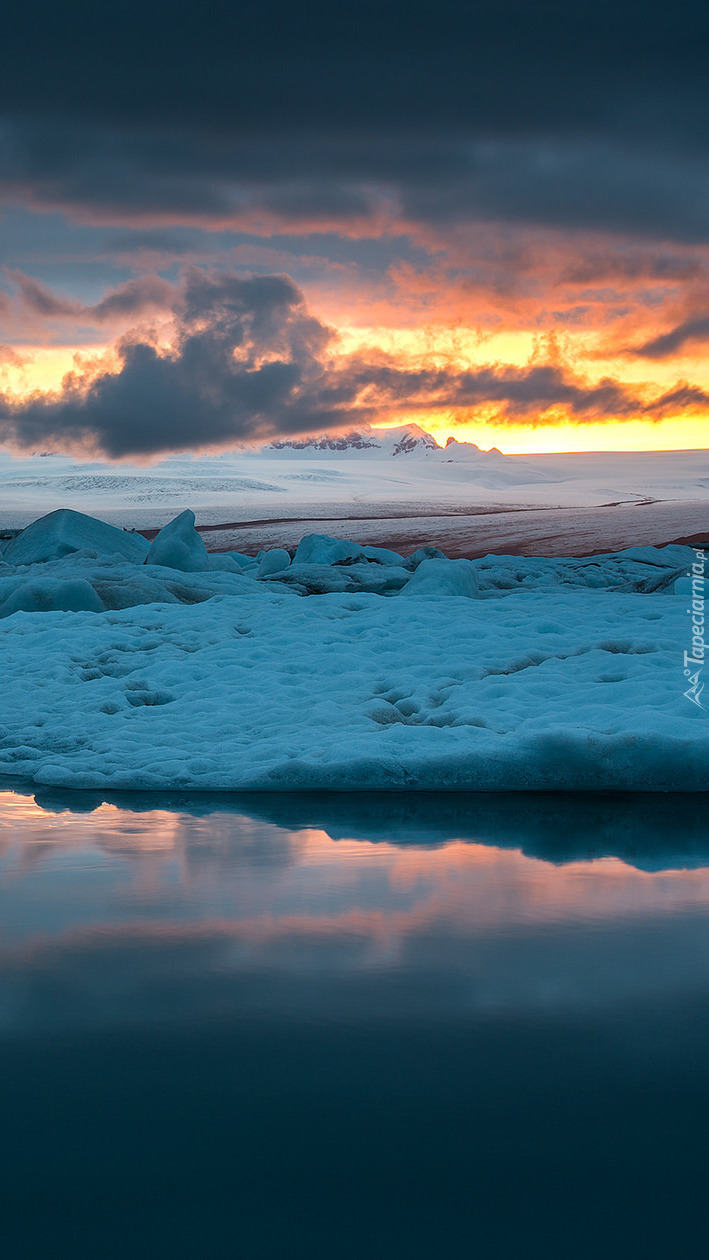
[630, 435]
[43, 368]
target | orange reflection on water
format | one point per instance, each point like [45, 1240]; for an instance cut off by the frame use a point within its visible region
[275, 879]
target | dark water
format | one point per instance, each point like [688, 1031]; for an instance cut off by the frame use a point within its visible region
[428, 1027]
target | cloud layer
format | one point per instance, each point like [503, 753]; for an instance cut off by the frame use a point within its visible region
[249, 362]
[537, 169]
[566, 115]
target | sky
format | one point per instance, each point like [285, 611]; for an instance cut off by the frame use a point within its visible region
[224, 224]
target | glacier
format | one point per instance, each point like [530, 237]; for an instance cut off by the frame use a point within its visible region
[383, 469]
[340, 667]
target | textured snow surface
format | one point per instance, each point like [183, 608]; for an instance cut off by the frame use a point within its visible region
[533, 674]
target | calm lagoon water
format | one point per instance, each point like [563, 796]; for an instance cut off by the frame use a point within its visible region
[325, 1026]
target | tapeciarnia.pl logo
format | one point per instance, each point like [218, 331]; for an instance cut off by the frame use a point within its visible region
[694, 661]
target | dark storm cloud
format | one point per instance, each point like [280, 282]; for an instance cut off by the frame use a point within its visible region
[265, 65]
[249, 362]
[39, 299]
[682, 398]
[578, 115]
[635, 264]
[521, 394]
[132, 298]
[667, 344]
[246, 363]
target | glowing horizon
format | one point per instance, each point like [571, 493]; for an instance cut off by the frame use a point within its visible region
[41, 370]
[490, 239]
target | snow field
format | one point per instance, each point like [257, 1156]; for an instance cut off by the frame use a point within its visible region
[267, 691]
[403, 673]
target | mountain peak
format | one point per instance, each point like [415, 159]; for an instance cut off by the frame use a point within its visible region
[405, 440]
[356, 440]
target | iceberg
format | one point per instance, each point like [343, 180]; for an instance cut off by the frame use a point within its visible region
[179, 546]
[443, 577]
[62, 532]
[52, 595]
[318, 549]
[274, 561]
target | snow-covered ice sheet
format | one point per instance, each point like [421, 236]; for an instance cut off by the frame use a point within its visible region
[337, 476]
[537, 674]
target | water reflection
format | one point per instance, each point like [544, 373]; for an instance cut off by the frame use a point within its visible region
[651, 831]
[354, 1026]
[384, 889]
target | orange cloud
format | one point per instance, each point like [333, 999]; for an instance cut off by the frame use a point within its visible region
[513, 339]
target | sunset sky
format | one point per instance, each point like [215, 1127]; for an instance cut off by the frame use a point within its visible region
[271, 218]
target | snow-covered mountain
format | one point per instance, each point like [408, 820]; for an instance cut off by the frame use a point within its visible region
[407, 440]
